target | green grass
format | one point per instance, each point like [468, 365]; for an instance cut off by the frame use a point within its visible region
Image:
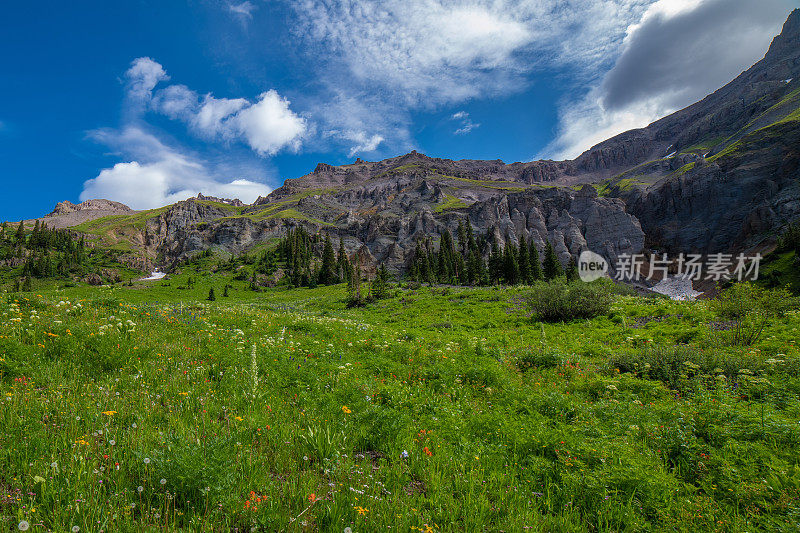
[506, 423]
[450, 202]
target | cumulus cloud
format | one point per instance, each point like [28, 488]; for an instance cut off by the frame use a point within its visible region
[677, 53]
[155, 174]
[466, 123]
[267, 125]
[142, 76]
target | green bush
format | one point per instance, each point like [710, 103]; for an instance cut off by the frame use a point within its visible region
[750, 309]
[560, 300]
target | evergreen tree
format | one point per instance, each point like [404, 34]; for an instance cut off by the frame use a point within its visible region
[19, 238]
[572, 269]
[342, 262]
[327, 272]
[535, 263]
[26, 285]
[211, 296]
[552, 266]
[354, 286]
[524, 262]
[225, 291]
[471, 244]
[495, 263]
[510, 264]
[380, 287]
[463, 243]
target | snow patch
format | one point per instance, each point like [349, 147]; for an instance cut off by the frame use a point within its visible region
[670, 155]
[156, 274]
[677, 288]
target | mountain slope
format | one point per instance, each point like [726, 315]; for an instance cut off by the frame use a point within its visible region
[719, 175]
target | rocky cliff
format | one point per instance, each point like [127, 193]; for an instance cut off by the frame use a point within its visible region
[720, 175]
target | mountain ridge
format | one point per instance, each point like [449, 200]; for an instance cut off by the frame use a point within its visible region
[727, 162]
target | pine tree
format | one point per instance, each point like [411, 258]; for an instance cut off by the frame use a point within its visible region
[535, 263]
[380, 287]
[342, 262]
[26, 285]
[463, 243]
[552, 266]
[327, 272]
[495, 263]
[572, 269]
[354, 286]
[471, 244]
[524, 263]
[211, 296]
[19, 238]
[510, 264]
[225, 291]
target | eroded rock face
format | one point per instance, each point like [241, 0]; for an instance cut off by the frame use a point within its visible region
[730, 204]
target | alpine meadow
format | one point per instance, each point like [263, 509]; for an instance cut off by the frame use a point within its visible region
[605, 339]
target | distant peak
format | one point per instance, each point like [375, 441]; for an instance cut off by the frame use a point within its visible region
[66, 206]
[324, 167]
[789, 38]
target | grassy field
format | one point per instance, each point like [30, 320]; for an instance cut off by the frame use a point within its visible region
[147, 408]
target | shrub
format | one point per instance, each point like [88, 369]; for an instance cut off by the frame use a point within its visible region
[559, 300]
[790, 240]
[750, 308]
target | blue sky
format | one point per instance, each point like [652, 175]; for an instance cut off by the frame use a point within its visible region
[149, 102]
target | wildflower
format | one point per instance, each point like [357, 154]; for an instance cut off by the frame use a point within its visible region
[75, 529]
[346, 410]
[427, 451]
[163, 481]
[147, 460]
[312, 497]
[112, 442]
[139, 489]
[23, 526]
[109, 413]
[611, 387]
[404, 455]
[348, 530]
[361, 511]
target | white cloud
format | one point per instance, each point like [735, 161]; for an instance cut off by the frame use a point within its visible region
[394, 57]
[466, 123]
[267, 125]
[677, 53]
[245, 9]
[213, 117]
[429, 52]
[143, 75]
[155, 174]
